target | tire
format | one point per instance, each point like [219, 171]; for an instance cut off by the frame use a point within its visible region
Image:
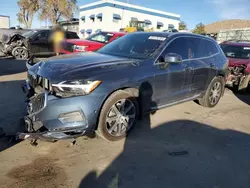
[20, 53]
[114, 123]
[213, 93]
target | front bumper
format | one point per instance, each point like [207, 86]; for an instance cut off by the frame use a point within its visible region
[59, 118]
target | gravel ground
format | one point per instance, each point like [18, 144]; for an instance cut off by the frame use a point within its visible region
[182, 146]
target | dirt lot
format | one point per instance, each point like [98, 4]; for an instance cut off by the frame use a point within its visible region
[181, 146]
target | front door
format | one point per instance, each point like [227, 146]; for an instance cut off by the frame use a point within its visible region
[39, 43]
[174, 80]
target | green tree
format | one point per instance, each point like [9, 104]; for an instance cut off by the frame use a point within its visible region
[199, 29]
[54, 10]
[27, 10]
[182, 25]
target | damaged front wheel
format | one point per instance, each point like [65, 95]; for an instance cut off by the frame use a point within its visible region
[20, 53]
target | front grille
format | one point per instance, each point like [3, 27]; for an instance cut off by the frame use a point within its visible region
[37, 80]
[36, 103]
[68, 46]
[32, 80]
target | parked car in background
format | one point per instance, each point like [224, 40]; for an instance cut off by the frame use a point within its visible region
[238, 54]
[34, 42]
[105, 91]
[91, 43]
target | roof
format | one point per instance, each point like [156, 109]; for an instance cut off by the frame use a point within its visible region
[227, 24]
[4, 16]
[234, 43]
[130, 7]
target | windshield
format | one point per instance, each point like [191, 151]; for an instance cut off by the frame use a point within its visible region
[240, 52]
[102, 37]
[29, 34]
[136, 45]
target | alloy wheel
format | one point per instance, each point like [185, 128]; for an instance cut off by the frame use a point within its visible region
[20, 53]
[120, 117]
[215, 93]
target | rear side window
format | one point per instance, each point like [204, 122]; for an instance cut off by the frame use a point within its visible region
[201, 48]
[71, 35]
[211, 48]
[178, 46]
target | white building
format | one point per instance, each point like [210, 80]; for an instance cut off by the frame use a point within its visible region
[110, 15]
[4, 21]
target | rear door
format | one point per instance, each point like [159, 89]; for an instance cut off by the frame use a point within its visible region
[39, 43]
[202, 58]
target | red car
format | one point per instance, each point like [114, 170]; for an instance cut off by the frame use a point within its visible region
[92, 43]
[238, 54]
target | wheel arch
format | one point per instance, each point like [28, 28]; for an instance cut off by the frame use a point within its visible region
[132, 90]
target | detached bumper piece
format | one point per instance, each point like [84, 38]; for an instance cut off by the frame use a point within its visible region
[36, 131]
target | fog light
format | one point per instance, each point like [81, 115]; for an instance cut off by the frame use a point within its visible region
[71, 117]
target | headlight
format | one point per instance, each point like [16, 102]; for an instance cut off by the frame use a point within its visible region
[75, 88]
[80, 48]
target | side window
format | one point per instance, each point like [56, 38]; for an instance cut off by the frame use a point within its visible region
[42, 35]
[196, 48]
[178, 46]
[211, 48]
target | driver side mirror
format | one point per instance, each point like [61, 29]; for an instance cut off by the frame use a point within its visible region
[172, 58]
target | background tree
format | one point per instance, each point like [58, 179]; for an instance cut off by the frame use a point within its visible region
[182, 25]
[199, 29]
[28, 9]
[54, 10]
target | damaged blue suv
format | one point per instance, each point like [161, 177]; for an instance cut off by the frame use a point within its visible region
[107, 90]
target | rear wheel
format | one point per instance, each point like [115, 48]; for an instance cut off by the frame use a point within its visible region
[118, 115]
[20, 53]
[213, 93]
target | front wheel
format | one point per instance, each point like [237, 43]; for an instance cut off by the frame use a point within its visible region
[213, 93]
[118, 115]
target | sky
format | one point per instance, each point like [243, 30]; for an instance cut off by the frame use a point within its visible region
[192, 11]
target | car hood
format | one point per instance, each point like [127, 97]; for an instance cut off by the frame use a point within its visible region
[79, 66]
[236, 62]
[81, 42]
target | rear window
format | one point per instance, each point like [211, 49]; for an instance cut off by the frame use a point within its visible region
[71, 35]
[240, 52]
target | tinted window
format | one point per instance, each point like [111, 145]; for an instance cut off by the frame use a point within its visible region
[71, 35]
[197, 48]
[136, 45]
[211, 48]
[192, 47]
[241, 52]
[41, 35]
[178, 46]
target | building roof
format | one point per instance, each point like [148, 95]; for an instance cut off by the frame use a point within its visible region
[4, 16]
[126, 6]
[227, 24]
